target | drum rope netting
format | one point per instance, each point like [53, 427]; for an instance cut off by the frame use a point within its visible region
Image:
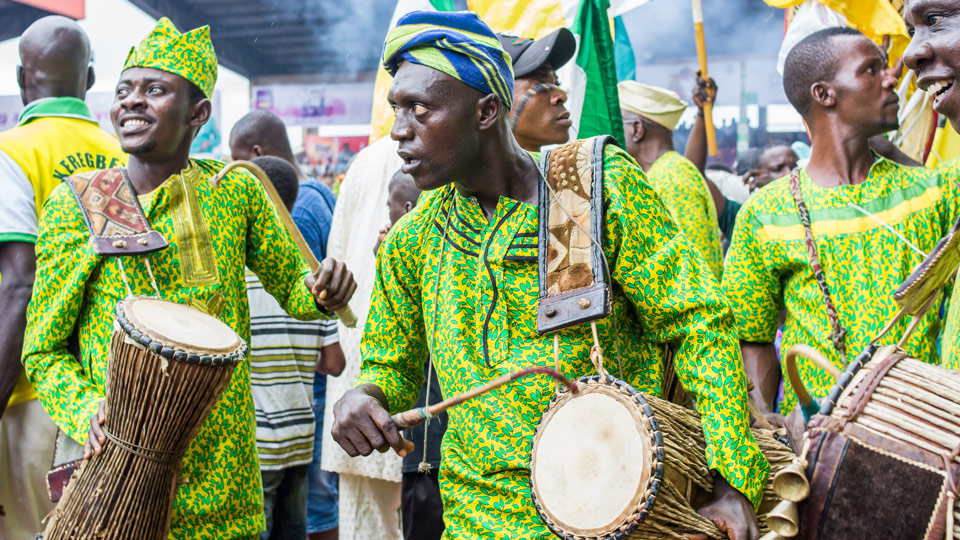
[685, 454]
[154, 408]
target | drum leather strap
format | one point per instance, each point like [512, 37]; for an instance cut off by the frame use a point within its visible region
[573, 282]
[113, 214]
[839, 332]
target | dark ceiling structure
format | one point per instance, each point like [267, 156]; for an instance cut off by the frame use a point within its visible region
[264, 38]
[15, 17]
[340, 38]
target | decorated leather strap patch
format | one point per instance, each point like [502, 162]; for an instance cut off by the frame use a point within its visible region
[113, 215]
[573, 288]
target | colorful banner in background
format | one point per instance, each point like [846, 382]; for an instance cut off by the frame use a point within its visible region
[590, 80]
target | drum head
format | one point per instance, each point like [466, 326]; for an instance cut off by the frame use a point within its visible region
[591, 461]
[180, 327]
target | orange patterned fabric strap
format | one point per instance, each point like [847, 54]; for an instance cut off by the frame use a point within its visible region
[839, 332]
[113, 215]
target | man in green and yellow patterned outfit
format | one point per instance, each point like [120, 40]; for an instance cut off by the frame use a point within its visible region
[161, 101]
[457, 281]
[934, 56]
[649, 116]
[871, 222]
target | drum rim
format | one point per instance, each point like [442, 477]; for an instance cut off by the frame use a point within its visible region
[170, 353]
[839, 387]
[657, 467]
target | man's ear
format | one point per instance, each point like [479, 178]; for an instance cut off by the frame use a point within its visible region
[21, 77]
[91, 77]
[488, 110]
[824, 94]
[639, 130]
[256, 150]
[200, 113]
[407, 206]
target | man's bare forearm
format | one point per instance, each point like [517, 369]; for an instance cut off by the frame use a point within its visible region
[17, 266]
[696, 150]
[762, 366]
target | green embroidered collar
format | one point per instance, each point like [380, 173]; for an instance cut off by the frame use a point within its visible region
[63, 107]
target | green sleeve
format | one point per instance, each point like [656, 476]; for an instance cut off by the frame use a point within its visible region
[750, 283]
[394, 346]
[272, 254]
[678, 301]
[65, 262]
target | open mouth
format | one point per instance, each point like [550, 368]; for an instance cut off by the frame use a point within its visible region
[134, 124]
[938, 89]
[409, 162]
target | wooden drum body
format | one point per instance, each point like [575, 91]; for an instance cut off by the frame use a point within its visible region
[883, 452]
[611, 463]
[167, 367]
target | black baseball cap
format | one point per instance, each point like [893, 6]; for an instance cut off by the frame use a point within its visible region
[528, 55]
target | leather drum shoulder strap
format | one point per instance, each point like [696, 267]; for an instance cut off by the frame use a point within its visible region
[573, 287]
[113, 214]
[838, 332]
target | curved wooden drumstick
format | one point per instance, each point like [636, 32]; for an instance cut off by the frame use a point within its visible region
[345, 314]
[413, 417]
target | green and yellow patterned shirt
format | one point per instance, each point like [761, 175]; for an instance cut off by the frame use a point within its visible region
[685, 193]
[485, 311]
[950, 342]
[863, 261]
[213, 234]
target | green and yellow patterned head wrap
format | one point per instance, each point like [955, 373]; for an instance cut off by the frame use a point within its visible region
[189, 55]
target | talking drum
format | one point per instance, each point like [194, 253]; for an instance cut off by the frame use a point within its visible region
[882, 454]
[168, 365]
[612, 463]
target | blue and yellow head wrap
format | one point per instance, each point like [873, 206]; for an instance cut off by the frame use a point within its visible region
[189, 55]
[456, 43]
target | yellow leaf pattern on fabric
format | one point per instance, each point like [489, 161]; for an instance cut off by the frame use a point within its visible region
[486, 326]
[768, 270]
[221, 496]
[685, 193]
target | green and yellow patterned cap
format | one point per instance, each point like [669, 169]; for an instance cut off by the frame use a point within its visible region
[188, 55]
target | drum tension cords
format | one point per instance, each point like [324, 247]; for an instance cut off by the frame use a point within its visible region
[173, 456]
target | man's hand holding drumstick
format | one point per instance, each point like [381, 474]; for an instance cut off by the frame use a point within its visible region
[332, 285]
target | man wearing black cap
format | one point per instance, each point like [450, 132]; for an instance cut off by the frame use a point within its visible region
[538, 117]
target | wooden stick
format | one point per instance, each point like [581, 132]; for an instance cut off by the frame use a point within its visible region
[702, 56]
[413, 417]
[345, 314]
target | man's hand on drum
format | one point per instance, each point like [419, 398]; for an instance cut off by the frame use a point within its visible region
[96, 437]
[361, 423]
[332, 285]
[731, 512]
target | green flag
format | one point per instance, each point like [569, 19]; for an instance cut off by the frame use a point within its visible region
[594, 85]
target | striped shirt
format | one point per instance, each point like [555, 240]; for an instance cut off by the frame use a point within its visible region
[283, 354]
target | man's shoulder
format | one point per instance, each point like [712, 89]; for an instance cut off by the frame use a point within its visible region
[774, 197]
[418, 221]
[62, 208]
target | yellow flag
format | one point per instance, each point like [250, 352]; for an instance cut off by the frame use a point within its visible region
[946, 146]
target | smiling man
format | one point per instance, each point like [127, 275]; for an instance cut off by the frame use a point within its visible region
[934, 55]
[161, 101]
[831, 243]
[457, 281]
[539, 117]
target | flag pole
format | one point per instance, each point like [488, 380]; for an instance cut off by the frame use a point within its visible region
[702, 56]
